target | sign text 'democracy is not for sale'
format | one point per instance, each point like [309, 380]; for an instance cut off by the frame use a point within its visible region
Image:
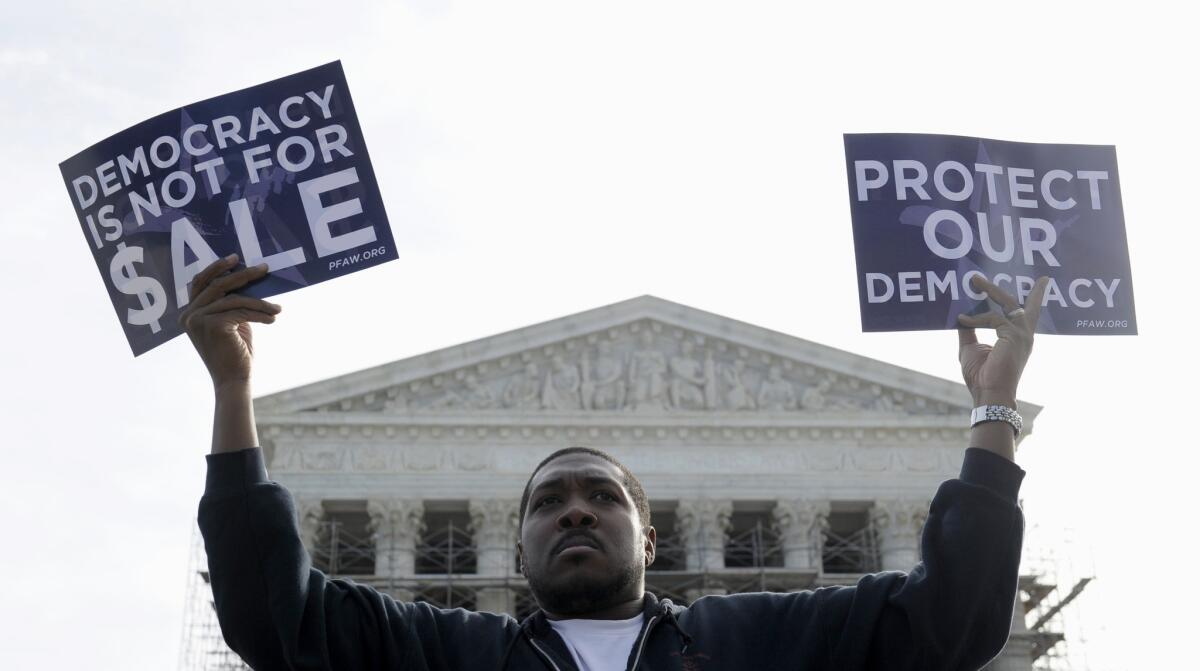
[931, 211]
[277, 173]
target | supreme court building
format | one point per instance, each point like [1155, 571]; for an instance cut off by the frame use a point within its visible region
[771, 462]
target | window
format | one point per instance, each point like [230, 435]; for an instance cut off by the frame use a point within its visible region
[849, 543]
[446, 546]
[669, 551]
[752, 541]
[344, 546]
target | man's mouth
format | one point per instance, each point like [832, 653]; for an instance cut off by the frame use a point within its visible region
[576, 541]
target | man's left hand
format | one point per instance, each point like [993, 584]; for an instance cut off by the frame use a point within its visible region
[993, 371]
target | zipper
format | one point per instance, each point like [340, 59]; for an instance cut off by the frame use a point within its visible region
[636, 660]
[642, 646]
[545, 655]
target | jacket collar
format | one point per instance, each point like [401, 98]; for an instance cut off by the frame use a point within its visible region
[537, 628]
[538, 625]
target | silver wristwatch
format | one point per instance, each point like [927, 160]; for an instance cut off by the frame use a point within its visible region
[997, 413]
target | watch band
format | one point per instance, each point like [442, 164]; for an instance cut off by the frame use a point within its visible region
[997, 413]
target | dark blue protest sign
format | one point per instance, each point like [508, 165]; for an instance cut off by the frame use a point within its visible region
[277, 173]
[931, 211]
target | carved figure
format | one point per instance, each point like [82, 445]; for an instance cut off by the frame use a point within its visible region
[478, 395]
[738, 397]
[776, 393]
[688, 380]
[396, 404]
[560, 391]
[883, 400]
[814, 397]
[523, 392]
[449, 399]
[602, 387]
[647, 371]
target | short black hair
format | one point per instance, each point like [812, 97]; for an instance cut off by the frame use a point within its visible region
[628, 479]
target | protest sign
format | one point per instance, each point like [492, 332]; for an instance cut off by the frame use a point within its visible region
[277, 173]
[931, 211]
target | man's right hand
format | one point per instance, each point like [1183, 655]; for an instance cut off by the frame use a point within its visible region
[218, 322]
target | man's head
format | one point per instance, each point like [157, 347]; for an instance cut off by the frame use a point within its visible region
[585, 534]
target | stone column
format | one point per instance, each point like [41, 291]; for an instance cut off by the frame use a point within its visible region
[703, 525]
[395, 527]
[309, 514]
[801, 525]
[898, 525]
[494, 526]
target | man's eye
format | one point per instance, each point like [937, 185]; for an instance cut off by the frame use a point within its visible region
[605, 496]
[543, 501]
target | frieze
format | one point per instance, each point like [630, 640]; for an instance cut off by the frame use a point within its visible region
[872, 459]
[396, 458]
[920, 459]
[364, 429]
[641, 367]
[370, 458]
[322, 458]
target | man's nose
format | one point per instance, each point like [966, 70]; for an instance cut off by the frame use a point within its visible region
[576, 516]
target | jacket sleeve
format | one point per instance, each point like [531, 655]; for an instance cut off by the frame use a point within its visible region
[954, 609]
[277, 612]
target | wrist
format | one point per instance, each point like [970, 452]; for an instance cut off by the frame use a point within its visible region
[1006, 399]
[233, 417]
[232, 389]
[995, 437]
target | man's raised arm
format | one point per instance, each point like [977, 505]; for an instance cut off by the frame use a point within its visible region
[217, 322]
[954, 609]
[275, 610]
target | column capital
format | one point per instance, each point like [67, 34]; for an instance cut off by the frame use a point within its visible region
[901, 518]
[800, 517]
[494, 518]
[310, 511]
[897, 524]
[801, 524]
[395, 525]
[401, 519]
[494, 530]
[704, 525]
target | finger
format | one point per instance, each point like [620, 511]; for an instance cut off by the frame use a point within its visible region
[987, 320]
[242, 315]
[227, 318]
[202, 278]
[231, 282]
[234, 302]
[1005, 300]
[966, 336]
[1033, 304]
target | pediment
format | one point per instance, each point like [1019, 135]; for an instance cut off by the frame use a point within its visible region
[646, 357]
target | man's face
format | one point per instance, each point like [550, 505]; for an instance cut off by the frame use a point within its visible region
[582, 544]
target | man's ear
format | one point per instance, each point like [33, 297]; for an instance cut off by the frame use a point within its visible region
[521, 560]
[651, 541]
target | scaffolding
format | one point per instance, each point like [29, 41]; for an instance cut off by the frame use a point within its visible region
[1050, 584]
[203, 647]
[445, 562]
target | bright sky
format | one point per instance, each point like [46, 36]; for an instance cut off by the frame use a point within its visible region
[539, 159]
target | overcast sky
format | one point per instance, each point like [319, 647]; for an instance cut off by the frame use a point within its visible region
[539, 159]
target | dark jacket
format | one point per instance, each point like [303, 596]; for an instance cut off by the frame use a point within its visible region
[952, 611]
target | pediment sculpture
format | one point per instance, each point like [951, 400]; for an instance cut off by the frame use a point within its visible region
[643, 368]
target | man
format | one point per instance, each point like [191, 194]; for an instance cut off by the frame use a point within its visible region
[585, 543]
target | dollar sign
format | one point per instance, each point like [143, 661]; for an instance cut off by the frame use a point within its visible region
[147, 289]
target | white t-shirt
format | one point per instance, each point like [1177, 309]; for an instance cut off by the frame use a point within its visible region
[599, 645]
